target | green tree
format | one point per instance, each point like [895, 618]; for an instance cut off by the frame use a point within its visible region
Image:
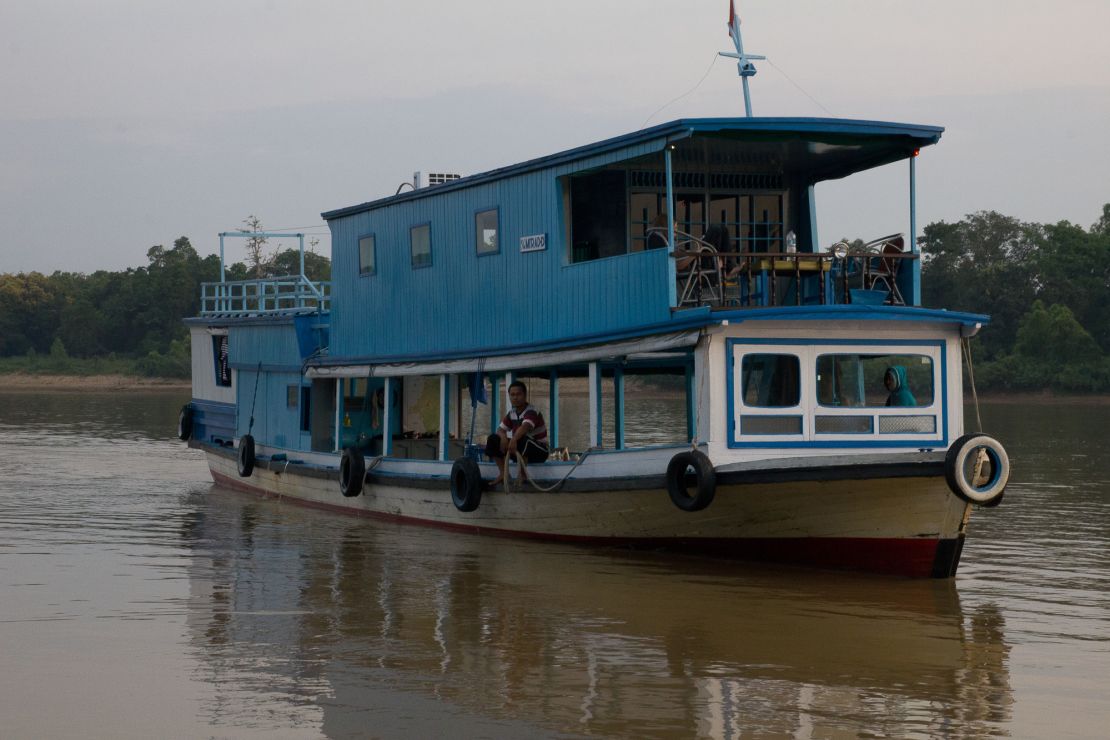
[985, 264]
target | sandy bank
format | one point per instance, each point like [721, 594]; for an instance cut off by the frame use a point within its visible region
[24, 382]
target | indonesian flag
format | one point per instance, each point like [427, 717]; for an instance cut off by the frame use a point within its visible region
[733, 19]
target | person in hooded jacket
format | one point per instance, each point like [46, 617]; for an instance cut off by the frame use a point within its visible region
[895, 381]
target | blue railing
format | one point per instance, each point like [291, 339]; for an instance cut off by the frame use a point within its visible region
[275, 295]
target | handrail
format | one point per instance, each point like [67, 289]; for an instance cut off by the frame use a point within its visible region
[264, 296]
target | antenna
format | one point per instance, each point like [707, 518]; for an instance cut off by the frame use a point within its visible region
[744, 65]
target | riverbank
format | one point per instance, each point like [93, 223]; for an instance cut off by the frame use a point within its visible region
[119, 382]
[27, 382]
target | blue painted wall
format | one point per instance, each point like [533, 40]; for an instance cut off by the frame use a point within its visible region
[464, 301]
[274, 344]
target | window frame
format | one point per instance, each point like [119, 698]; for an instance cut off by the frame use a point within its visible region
[373, 254]
[412, 245]
[217, 341]
[809, 409]
[496, 210]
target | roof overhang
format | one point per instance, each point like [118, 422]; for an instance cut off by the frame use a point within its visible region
[822, 148]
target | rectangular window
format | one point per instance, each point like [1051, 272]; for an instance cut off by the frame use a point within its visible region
[221, 362]
[861, 381]
[306, 409]
[366, 255]
[770, 381]
[485, 232]
[420, 239]
[292, 396]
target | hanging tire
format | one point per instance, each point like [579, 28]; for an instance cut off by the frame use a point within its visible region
[466, 484]
[705, 480]
[352, 472]
[977, 469]
[185, 423]
[246, 456]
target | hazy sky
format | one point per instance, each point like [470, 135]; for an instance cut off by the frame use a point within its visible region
[125, 124]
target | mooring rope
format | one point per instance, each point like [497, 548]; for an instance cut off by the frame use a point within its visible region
[971, 377]
[257, 377]
[538, 487]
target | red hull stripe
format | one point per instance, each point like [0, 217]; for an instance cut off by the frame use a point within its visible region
[907, 557]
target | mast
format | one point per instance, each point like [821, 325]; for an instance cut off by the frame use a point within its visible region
[744, 66]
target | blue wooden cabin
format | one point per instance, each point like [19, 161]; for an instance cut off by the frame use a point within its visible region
[423, 274]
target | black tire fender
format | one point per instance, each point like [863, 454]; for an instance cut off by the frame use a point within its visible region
[977, 469]
[246, 456]
[705, 480]
[466, 484]
[352, 472]
[185, 423]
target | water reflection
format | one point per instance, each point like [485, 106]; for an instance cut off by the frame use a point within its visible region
[363, 626]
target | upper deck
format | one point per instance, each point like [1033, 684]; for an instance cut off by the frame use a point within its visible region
[562, 248]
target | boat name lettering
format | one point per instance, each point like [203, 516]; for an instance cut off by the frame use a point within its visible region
[534, 243]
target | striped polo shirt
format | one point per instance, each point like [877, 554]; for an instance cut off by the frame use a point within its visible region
[528, 416]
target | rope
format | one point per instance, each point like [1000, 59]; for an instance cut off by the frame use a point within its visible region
[971, 376]
[680, 97]
[698, 396]
[538, 487]
[257, 377]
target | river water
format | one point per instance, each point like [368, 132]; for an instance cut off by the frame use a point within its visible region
[138, 600]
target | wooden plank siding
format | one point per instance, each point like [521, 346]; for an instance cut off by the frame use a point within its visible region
[466, 302]
[274, 345]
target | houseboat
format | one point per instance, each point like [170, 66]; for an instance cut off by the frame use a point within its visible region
[820, 406]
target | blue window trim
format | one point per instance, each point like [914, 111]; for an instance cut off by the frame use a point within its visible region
[730, 404]
[374, 251]
[497, 212]
[413, 228]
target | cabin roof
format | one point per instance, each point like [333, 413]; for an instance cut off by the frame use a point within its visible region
[821, 148]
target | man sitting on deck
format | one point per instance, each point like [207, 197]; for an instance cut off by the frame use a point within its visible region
[522, 430]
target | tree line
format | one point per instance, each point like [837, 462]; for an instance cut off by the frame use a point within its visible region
[1045, 286]
[128, 321]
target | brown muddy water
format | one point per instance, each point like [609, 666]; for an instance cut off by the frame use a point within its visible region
[138, 600]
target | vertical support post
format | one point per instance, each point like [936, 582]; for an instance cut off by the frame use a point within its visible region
[494, 403]
[387, 418]
[595, 405]
[747, 96]
[221, 292]
[915, 264]
[300, 238]
[618, 406]
[338, 411]
[672, 277]
[691, 400]
[444, 414]
[553, 412]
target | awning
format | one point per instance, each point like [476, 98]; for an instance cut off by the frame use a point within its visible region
[501, 363]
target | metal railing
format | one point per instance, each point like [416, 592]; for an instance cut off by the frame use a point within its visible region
[264, 296]
[870, 274]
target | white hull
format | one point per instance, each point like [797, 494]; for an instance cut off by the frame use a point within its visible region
[909, 525]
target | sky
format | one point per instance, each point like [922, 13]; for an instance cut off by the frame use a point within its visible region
[126, 124]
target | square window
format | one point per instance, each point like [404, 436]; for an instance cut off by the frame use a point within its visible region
[771, 381]
[485, 232]
[366, 255]
[420, 238]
